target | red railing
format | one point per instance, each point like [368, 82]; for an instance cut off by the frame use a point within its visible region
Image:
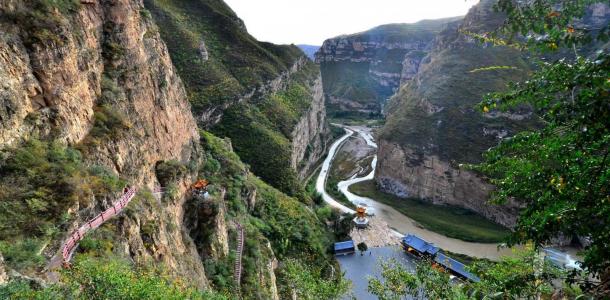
[240, 249]
[72, 241]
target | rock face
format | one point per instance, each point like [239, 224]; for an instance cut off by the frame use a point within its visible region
[3, 276]
[409, 174]
[309, 135]
[103, 57]
[362, 70]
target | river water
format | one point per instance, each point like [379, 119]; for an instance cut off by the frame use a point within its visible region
[400, 223]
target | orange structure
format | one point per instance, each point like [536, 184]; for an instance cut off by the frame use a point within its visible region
[201, 184]
[361, 212]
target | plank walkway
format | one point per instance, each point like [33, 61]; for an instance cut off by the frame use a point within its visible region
[68, 247]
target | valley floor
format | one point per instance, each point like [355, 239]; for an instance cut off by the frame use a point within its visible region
[404, 224]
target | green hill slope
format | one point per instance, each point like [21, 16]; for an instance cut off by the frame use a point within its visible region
[252, 92]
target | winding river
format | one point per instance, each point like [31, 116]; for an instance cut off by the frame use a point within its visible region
[400, 223]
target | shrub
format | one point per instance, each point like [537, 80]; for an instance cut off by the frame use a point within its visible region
[170, 171]
[108, 125]
[107, 279]
[39, 182]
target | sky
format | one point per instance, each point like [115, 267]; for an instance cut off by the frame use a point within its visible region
[313, 21]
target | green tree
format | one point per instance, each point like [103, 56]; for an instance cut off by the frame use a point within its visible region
[107, 279]
[561, 172]
[362, 247]
[302, 281]
[525, 276]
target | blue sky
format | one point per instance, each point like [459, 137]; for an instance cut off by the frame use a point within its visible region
[313, 21]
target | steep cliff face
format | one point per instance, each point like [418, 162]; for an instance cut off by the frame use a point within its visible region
[98, 77]
[360, 71]
[406, 173]
[432, 125]
[309, 136]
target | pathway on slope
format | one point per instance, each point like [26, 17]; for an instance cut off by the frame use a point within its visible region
[239, 252]
[68, 247]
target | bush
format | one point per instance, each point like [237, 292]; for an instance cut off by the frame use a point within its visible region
[108, 125]
[170, 171]
[39, 182]
[22, 253]
[107, 279]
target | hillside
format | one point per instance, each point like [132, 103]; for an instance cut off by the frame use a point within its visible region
[432, 125]
[266, 98]
[361, 71]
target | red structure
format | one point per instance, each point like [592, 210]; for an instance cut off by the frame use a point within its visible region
[72, 241]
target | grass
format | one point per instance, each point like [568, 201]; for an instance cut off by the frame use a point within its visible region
[450, 221]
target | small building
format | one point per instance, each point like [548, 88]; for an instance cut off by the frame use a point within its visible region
[361, 221]
[417, 246]
[455, 267]
[345, 248]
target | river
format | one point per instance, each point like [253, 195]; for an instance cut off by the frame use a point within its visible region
[399, 223]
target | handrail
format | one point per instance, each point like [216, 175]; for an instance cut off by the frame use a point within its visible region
[70, 244]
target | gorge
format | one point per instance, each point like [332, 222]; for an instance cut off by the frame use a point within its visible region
[249, 158]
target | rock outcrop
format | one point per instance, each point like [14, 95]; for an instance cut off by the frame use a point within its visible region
[406, 173]
[3, 275]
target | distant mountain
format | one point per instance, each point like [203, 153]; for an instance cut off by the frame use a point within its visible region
[309, 50]
[361, 71]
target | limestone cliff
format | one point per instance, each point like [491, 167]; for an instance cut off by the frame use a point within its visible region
[360, 71]
[97, 76]
[408, 174]
[65, 70]
[309, 136]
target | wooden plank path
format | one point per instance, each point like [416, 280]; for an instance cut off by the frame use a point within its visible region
[68, 247]
[240, 249]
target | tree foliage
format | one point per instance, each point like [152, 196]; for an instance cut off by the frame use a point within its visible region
[299, 280]
[561, 172]
[525, 276]
[107, 279]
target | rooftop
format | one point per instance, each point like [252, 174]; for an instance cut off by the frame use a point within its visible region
[420, 245]
[344, 245]
[454, 266]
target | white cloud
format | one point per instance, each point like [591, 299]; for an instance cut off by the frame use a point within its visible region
[313, 21]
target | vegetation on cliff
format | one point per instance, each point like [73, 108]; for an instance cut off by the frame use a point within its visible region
[221, 63]
[297, 236]
[434, 113]
[108, 279]
[40, 182]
